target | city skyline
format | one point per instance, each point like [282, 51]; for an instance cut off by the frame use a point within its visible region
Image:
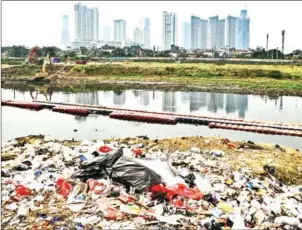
[263, 22]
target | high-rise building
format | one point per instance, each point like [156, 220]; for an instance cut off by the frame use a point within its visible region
[243, 31]
[231, 27]
[195, 32]
[138, 36]
[198, 33]
[213, 32]
[169, 30]
[86, 23]
[65, 32]
[120, 31]
[106, 33]
[203, 33]
[221, 34]
[146, 33]
[186, 39]
[80, 21]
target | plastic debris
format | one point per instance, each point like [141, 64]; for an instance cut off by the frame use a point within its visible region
[52, 184]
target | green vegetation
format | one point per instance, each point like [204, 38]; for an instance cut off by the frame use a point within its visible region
[236, 78]
[190, 70]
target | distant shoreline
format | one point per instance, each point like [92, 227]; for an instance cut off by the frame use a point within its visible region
[235, 78]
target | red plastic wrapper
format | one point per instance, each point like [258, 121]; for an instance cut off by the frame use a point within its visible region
[105, 149]
[64, 186]
[137, 151]
[22, 191]
[92, 184]
[231, 145]
[178, 189]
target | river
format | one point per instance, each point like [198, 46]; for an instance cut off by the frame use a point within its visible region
[19, 122]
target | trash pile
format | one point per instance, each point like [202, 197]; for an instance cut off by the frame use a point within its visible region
[52, 184]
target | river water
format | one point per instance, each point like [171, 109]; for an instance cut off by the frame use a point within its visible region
[19, 122]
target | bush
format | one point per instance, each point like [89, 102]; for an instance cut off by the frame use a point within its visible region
[275, 74]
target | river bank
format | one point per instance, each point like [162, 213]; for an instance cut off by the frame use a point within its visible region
[240, 79]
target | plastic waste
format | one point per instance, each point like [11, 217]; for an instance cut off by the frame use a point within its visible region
[137, 151]
[184, 189]
[105, 149]
[287, 220]
[22, 191]
[122, 170]
[179, 189]
[217, 153]
[98, 187]
[168, 174]
[23, 211]
[203, 184]
[64, 187]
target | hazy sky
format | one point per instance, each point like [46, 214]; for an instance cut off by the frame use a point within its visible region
[40, 23]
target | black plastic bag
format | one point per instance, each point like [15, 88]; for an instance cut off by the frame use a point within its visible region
[120, 169]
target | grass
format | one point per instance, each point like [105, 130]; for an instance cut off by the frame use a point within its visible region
[237, 78]
[190, 70]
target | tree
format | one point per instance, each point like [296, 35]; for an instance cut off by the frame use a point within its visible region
[83, 50]
[52, 51]
[17, 51]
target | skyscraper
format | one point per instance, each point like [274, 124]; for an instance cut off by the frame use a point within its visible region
[231, 27]
[198, 33]
[243, 32]
[195, 32]
[106, 33]
[80, 21]
[213, 32]
[120, 31]
[86, 23]
[138, 36]
[146, 33]
[93, 24]
[203, 33]
[221, 34]
[65, 32]
[169, 30]
[186, 39]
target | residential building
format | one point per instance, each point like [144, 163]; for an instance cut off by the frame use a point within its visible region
[65, 42]
[203, 33]
[221, 34]
[243, 31]
[169, 30]
[120, 31]
[86, 23]
[231, 28]
[146, 33]
[80, 21]
[186, 39]
[106, 33]
[195, 32]
[138, 36]
[93, 24]
[213, 32]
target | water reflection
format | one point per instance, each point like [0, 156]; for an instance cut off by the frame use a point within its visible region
[119, 97]
[169, 102]
[87, 98]
[219, 104]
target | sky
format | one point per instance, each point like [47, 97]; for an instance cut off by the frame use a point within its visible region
[32, 23]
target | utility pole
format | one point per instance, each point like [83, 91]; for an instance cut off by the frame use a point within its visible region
[277, 52]
[267, 42]
[283, 33]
